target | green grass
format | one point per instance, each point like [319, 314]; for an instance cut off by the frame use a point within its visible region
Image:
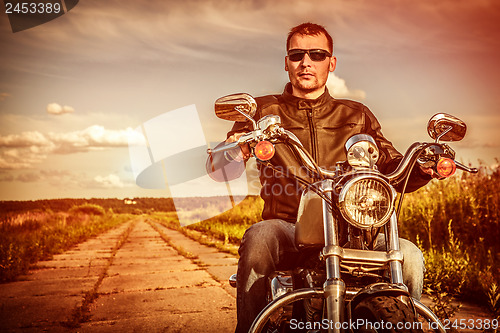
[214, 239]
[231, 225]
[456, 223]
[31, 236]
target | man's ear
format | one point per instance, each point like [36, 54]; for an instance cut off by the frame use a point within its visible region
[286, 63]
[333, 64]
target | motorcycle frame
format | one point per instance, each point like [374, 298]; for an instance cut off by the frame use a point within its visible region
[334, 290]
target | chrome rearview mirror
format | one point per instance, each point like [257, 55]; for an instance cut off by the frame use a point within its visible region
[445, 127]
[236, 107]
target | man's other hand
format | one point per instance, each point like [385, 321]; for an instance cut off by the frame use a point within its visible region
[430, 171]
[245, 149]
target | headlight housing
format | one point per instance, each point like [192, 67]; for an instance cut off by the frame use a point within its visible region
[367, 201]
[362, 151]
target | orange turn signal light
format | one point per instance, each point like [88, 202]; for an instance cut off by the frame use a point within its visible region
[264, 150]
[446, 167]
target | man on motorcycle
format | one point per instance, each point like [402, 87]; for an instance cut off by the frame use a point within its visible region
[323, 124]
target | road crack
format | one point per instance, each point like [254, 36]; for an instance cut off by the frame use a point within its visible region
[81, 313]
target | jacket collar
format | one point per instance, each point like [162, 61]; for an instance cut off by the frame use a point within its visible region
[302, 103]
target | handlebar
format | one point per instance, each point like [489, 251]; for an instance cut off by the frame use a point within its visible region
[405, 166]
[397, 176]
[306, 158]
[465, 168]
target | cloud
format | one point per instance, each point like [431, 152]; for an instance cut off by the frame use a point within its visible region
[94, 137]
[56, 109]
[338, 89]
[4, 96]
[68, 178]
[52, 176]
[25, 139]
[109, 181]
[162, 31]
[22, 158]
[21, 151]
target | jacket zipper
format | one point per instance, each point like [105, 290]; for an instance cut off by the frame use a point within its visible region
[313, 135]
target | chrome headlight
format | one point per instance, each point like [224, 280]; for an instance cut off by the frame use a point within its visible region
[367, 201]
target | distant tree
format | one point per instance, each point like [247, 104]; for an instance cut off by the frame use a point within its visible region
[89, 209]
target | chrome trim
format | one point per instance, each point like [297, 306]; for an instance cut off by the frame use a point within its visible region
[280, 285]
[465, 168]
[297, 295]
[357, 138]
[362, 256]
[335, 300]
[331, 234]
[396, 266]
[232, 280]
[428, 315]
[443, 126]
[362, 143]
[408, 160]
[334, 288]
[306, 159]
[267, 121]
[243, 103]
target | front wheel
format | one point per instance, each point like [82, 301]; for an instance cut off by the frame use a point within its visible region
[385, 314]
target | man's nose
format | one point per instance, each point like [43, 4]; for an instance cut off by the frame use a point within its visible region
[306, 61]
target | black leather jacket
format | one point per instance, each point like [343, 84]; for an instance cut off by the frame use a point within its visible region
[322, 125]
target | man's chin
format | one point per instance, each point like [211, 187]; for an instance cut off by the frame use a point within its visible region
[308, 85]
[307, 89]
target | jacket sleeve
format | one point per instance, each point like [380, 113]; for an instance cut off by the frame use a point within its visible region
[221, 167]
[390, 158]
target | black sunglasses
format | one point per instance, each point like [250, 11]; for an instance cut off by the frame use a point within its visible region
[315, 55]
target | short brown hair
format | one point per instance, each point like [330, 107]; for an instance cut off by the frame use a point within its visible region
[309, 29]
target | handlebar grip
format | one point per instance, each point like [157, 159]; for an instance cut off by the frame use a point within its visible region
[223, 148]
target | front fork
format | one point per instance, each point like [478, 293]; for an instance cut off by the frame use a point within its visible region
[334, 287]
[392, 245]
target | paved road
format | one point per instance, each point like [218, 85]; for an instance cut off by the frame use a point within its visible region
[142, 284]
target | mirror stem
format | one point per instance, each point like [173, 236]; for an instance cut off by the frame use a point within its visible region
[449, 128]
[239, 109]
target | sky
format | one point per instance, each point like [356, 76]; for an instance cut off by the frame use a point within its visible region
[74, 92]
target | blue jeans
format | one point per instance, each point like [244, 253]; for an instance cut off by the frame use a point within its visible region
[269, 245]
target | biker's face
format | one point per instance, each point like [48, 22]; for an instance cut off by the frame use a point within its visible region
[309, 77]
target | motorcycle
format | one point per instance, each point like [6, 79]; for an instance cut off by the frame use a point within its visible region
[344, 285]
